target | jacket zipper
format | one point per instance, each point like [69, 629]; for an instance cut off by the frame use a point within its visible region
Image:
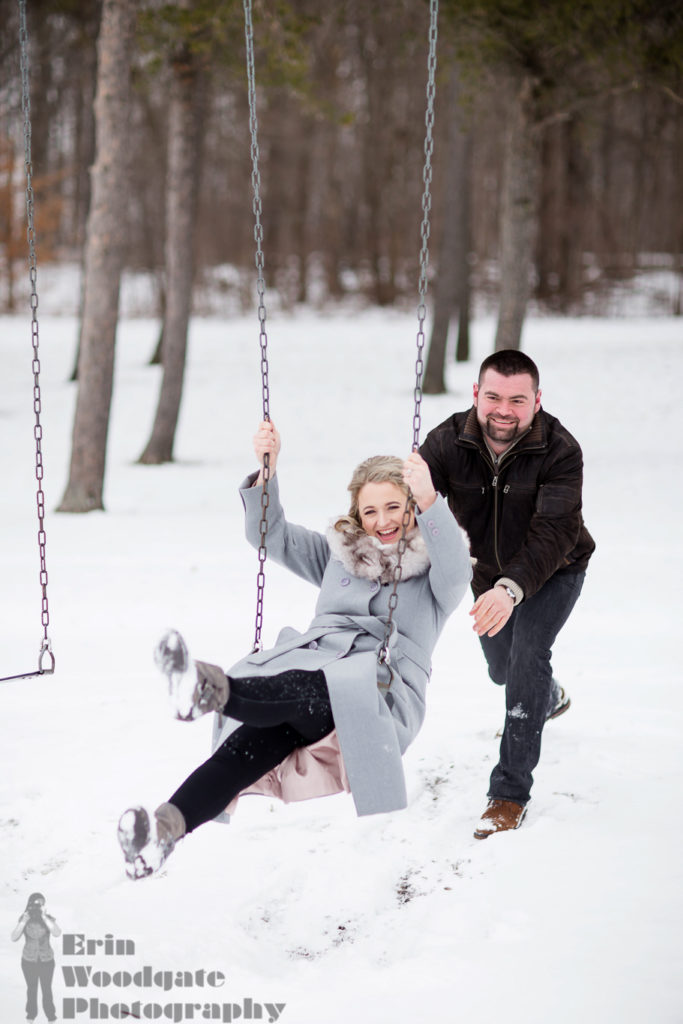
[494, 487]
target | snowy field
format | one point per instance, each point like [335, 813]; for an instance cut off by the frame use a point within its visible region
[403, 917]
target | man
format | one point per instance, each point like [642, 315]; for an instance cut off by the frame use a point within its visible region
[512, 475]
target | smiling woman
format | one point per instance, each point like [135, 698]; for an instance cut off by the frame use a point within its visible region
[379, 491]
[320, 712]
[381, 511]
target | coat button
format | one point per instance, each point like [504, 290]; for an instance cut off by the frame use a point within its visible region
[374, 586]
[435, 532]
[430, 522]
[345, 581]
[313, 645]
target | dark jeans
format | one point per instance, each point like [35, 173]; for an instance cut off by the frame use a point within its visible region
[519, 659]
[41, 972]
[280, 713]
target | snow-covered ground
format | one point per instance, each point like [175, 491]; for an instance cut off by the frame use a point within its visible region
[402, 917]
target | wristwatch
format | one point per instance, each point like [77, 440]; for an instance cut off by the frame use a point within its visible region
[510, 592]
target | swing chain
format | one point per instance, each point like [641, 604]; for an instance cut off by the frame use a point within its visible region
[425, 227]
[257, 208]
[384, 655]
[262, 554]
[46, 647]
[257, 205]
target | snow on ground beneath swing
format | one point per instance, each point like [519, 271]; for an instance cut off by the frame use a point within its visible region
[401, 917]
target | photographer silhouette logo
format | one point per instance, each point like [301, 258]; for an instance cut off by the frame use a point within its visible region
[36, 926]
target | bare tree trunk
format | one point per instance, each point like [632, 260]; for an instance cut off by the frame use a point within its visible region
[9, 229]
[85, 154]
[301, 243]
[571, 233]
[452, 278]
[518, 216]
[462, 348]
[560, 226]
[104, 260]
[89, 24]
[41, 87]
[677, 300]
[185, 135]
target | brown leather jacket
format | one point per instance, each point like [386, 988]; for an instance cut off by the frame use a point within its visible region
[523, 517]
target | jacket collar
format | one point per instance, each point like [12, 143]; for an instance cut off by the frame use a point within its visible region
[535, 438]
[365, 556]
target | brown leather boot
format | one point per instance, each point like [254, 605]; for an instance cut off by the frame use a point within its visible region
[561, 703]
[499, 816]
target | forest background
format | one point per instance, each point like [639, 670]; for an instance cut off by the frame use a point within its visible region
[556, 193]
[555, 178]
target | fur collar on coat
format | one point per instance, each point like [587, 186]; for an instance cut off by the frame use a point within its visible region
[367, 557]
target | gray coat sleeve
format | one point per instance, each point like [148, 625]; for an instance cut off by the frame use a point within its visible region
[300, 550]
[451, 567]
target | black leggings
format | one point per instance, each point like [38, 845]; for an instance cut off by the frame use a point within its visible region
[279, 713]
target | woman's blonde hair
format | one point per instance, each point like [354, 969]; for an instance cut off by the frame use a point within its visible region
[378, 469]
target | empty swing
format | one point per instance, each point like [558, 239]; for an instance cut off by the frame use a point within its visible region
[44, 668]
[383, 654]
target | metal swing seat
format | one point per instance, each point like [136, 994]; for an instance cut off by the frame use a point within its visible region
[383, 653]
[46, 659]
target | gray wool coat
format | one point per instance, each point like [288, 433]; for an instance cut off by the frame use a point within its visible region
[374, 724]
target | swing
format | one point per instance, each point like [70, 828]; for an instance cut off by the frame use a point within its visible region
[46, 646]
[383, 656]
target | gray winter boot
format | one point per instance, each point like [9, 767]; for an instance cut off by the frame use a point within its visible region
[194, 687]
[147, 839]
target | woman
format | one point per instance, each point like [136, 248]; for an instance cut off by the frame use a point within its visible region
[37, 958]
[319, 707]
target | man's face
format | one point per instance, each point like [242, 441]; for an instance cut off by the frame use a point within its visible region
[505, 407]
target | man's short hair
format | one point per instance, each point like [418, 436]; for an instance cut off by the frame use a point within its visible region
[508, 362]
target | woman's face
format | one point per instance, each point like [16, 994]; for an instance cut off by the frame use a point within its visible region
[381, 507]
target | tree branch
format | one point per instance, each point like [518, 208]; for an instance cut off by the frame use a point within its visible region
[563, 115]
